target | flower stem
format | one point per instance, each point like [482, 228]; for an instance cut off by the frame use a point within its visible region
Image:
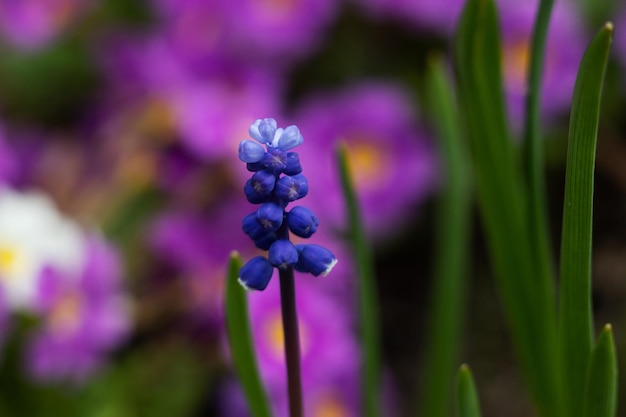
[292, 336]
[292, 343]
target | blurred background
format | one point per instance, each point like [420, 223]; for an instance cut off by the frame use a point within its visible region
[121, 195]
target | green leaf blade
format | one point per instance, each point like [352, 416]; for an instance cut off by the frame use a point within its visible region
[367, 292]
[525, 287]
[601, 388]
[467, 404]
[240, 339]
[576, 321]
[451, 253]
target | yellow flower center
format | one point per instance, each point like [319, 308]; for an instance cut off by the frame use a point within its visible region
[330, 406]
[515, 63]
[10, 260]
[367, 162]
[275, 337]
[65, 315]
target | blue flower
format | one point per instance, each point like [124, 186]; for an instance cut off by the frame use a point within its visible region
[270, 216]
[277, 181]
[256, 274]
[283, 254]
[315, 259]
[302, 222]
[292, 187]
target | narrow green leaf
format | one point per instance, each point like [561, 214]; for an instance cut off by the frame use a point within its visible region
[576, 325]
[525, 287]
[451, 234]
[533, 144]
[368, 300]
[467, 404]
[601, 389]
[240, 339]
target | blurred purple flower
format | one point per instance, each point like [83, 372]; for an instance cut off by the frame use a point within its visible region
[329, 351]
[208, 106]
[198, 246]
[83, 318]
[35, 23]
[278, 28]
[564, 49]
[392, 162]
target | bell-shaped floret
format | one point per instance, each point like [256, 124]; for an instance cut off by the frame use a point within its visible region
[256, 274]
[291, 187]
[258, 189]
[250, 151]
[270, 216]
[315, 259]
[302, 222]
[289, 139]
[292, 163]
[283, 254]
[275, 161]
[263, 130]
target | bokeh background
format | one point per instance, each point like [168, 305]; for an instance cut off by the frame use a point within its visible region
[121, 195]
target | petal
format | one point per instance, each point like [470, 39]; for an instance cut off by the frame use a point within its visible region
[250, 152]
[290, 138]
[256, 274]
[263, 130]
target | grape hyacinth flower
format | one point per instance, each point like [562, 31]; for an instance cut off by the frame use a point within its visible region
[276, 182]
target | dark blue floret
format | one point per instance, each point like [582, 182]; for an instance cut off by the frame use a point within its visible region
[283, 254]
[256, 274]
[275, 160]
[270, 216]
[292, 187]
[258, 189]
[315, 259]
[293, 164]
[255, 166]
[265, 241]
[302, 222]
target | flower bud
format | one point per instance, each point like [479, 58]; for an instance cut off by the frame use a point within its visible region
[282, 254]
[269, 216]
[302, 222]
[292, 187]
[258, 189]
[315, 259]
[250, 152]
[290, 138]
[275, 160]
[256, 274]
[263, 130]
[292, 162]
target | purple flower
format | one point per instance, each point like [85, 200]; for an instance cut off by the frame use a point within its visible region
[84, 317]
[34, 23]
[329, 352]
[391, 160]
[315, 259]
[302, 222]
[564, 49]
[277, 29]
[620, 36]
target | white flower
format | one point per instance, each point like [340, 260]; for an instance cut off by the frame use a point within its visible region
[33, 235]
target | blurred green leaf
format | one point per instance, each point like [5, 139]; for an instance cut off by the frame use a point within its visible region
[526, 290]
[601, 387]
[467, 404]
[368, 299]
[451, 263]
[576, 326]
[240, 339]
[533, 145]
